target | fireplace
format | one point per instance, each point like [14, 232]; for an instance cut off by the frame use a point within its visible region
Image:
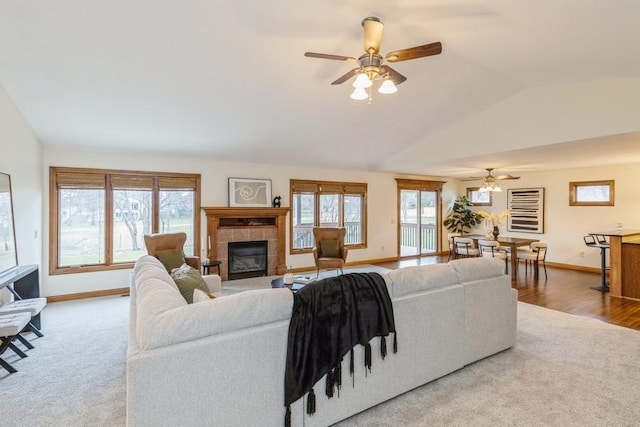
[226, 225]
[247, 259]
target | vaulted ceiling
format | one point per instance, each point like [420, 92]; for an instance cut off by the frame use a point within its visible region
[520, 85]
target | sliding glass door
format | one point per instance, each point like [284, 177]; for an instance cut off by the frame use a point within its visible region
[418, 217]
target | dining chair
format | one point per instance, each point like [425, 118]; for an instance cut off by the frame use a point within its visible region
[465, 247]
[492, 249]
[452, 252]
[537, 253]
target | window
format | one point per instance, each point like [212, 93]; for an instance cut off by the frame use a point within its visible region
[479, 198]
[327, 204]
[591, 193]
[98, 218]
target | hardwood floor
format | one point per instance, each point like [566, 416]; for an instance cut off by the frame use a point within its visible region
[564, 290]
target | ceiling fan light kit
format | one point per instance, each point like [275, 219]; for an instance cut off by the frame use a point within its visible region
[359, 94]
[490, 186]
[370, 65]
[490, 182]
[387, 87]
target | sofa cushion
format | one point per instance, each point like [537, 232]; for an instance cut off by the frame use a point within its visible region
[171, 259]
[421, 278]
[473, 269]
[231, 313]
[187, 279]
[329, 248]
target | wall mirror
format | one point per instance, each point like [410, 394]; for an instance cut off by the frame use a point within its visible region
[8, 254]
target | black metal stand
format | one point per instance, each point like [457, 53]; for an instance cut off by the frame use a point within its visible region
[603, 262]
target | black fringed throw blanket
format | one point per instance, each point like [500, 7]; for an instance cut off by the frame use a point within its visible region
[329, 318]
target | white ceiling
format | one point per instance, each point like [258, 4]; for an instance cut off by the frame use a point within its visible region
[520, 85]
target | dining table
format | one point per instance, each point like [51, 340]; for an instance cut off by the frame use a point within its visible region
[513, 243]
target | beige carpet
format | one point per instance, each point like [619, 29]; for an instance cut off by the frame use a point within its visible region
[564, 371]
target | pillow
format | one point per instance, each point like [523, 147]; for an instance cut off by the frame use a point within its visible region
[199, 295]
[330, 248]
[188, 279]
[171, 259]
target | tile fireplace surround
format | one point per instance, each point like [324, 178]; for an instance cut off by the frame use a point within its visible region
[226, 225]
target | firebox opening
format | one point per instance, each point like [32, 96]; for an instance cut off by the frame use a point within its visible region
[247, 259]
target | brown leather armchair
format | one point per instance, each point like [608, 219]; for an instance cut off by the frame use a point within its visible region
[329, 251]
[169, 242]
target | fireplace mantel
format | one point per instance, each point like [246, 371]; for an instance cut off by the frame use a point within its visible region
[226, 225]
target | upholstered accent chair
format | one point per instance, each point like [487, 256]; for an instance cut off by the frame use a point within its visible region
[168, 245]
[329, 250]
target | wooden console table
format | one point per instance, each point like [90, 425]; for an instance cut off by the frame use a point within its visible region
[26, 284]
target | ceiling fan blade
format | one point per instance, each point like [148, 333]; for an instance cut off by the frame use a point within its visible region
[473, 178]
[395, 76]
[345, 77]
[415, 52]
[328, 56]
[372, 34]
[502, 177]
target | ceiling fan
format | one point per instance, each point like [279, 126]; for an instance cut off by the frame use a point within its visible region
[371, 65]
[490, 182]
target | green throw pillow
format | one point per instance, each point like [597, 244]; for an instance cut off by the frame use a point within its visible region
[188, 279]
[330, 248]
[171, 259]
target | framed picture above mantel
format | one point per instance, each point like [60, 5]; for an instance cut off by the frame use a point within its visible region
[249, 192]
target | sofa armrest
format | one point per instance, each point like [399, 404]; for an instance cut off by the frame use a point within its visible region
[213, 281]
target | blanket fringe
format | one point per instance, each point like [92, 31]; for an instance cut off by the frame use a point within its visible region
[287, 417]
[334, 380]
[367, 357]
[338, 376]
[383, 347]
[353, 377]
[329, 386]
[311, 402]
[395, 342]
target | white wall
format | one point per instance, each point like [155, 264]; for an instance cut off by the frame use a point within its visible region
[563, 229]
[382, 198]
[21, 157]
[565, 225]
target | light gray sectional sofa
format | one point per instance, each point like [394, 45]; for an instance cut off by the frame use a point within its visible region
[222, 362]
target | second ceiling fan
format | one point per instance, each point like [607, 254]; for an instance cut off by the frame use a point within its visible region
[371, 65]
[490, 182]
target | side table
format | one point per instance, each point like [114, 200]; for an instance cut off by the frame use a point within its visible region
[206, 265]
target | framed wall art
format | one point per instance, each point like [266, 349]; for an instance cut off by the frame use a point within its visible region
[249, 193]
[526, 210]
[479, 198]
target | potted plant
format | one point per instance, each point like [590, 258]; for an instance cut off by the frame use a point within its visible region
[461, 218]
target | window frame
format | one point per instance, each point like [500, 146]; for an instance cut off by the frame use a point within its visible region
[472, 191]
[318, 188]
[66, 177]
[575, 185]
